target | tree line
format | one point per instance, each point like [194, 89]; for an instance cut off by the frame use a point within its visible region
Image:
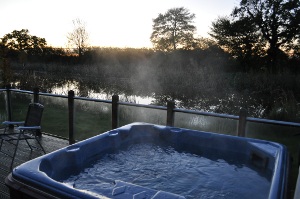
[259, 34]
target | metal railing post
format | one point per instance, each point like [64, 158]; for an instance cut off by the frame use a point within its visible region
[8, 103]
[36, 100]
[115, 112]
[71, 116]
[36, 95]
[170, 113]
[242, 123]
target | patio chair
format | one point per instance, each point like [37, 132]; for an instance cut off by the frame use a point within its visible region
[29, 129]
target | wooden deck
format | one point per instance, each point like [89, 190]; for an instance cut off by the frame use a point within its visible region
[24, 154]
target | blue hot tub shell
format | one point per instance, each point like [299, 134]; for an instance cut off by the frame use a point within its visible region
[42, 177]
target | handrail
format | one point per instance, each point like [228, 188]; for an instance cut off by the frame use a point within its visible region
[195, 112]
[275, 122]
[143, 105]
[171, 110]
[53, 95]
[19, 91]
[93, 100]
[234, 117]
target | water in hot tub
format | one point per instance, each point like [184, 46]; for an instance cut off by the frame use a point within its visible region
[164, 168]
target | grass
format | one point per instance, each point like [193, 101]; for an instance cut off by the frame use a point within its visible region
[87, 123]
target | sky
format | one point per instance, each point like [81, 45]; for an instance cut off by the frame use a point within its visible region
[109, 23]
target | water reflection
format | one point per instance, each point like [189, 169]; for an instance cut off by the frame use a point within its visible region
[65, 88]
[205, 95]
[104, 94]
[131, 91]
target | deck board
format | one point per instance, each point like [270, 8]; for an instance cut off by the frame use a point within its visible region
[24, 154]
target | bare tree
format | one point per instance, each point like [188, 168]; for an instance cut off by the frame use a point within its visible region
[79, 37]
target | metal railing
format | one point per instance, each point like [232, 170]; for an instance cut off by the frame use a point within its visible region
[171, 110]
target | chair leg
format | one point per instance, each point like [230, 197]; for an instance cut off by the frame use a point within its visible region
[22, 133]
[2, 139]
[28, 145]
[5, 129]
[1, 144]
[40, 144]
[14, 155]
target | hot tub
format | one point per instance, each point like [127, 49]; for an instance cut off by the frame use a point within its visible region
[145, 161]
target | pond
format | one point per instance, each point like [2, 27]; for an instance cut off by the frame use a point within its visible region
[218, 93]
[99, 94]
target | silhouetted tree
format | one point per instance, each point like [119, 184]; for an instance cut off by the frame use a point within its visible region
[173, 30]
[22, 41]
[20, 44]
[241, 38]
[5, 69]
[278, 22]
[275, 22]
[204, 43]
[79, 37]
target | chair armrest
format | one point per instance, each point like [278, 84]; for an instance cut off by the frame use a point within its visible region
[13, 123]
[29, 127]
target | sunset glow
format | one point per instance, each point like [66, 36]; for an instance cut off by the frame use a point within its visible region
[115, 23]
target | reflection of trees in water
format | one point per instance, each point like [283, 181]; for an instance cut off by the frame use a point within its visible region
[28, 80]
[216, 94]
